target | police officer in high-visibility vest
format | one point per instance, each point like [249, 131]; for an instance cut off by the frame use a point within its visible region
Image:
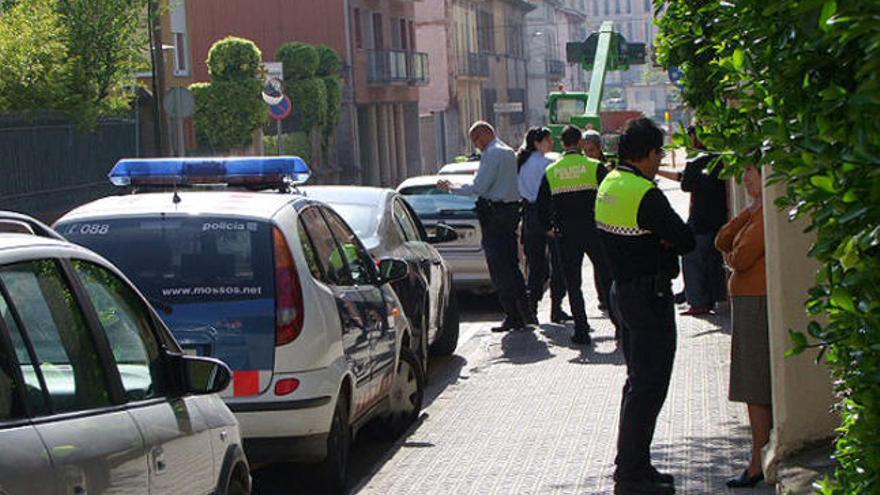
[565, 203]
[643, 237]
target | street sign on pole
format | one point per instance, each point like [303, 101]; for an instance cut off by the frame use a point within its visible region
[508, 107]
[179, 104]
[273, 91]
[280, 112]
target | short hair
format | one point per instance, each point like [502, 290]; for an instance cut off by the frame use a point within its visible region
[593, 136]
[571, 136]
[639, 137]
[481, 125]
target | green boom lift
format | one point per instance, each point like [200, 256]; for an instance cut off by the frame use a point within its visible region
[600, 52]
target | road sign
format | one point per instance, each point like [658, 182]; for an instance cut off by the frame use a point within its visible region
[282, 109]
[179, 103]
[508, 107]
[273, 70]
[675, 75]
[273, 91]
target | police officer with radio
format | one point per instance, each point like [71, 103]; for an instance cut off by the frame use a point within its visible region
[498, 211]
[565, 203]
[643, 237]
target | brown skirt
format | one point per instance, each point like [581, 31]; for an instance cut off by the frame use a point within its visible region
[750, 351]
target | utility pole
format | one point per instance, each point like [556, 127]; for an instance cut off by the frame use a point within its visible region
[158, 67]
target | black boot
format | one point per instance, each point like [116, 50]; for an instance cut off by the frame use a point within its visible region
[557, 315]
[581, 336]
[529, 316]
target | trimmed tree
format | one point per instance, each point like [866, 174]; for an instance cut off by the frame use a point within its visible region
[229, 108]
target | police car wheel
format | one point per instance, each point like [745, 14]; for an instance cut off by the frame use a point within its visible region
[407, 393]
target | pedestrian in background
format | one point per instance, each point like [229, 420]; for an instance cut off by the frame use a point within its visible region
[742, 242]
[703, 270]
[532, 161]
[498, 211]
[566, 202]
[643, 237]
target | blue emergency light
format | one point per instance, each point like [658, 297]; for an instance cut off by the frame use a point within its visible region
[252, 171]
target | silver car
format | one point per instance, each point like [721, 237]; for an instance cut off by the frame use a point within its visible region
[95, 394]
[464, 255]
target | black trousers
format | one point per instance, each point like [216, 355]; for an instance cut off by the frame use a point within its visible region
[575, 241]
[498, 225]
[537, 245]
[646, 315]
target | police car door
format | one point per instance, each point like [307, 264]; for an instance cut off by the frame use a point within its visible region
[381, 332]
[349, 303]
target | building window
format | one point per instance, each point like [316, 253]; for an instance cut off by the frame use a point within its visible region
[595, 7]
[629, 7]
[647, 5]
[358, 34]
[179, 37]
[617, 6]
[404, 35]
[608, 7]
[378, 39]
[412, 37]
[485, 32]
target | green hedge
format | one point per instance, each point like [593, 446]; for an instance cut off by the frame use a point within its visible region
[227, 112]
[795, 84]
[300, 60]
[234, 59]
[294, 143]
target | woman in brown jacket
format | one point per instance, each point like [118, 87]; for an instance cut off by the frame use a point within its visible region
[742, 243]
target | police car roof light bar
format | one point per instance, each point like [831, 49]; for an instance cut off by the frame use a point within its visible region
[253, 172]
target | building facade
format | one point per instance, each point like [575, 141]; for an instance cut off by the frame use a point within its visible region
[552, 25]
[378, 139]
[481, 45]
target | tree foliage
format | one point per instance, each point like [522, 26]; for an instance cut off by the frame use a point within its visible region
[300, 60]
[229, 108]
[77, 57]
[795, 84]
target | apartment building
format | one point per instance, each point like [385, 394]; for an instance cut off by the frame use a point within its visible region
[478, 50]
[378, 139]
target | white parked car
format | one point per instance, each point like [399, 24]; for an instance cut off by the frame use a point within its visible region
[276, 285]
[95, 395]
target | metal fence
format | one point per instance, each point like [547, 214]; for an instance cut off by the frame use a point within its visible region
[48, 166]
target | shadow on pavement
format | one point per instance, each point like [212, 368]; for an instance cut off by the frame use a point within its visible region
[475, 308]
[560, 335]
[523, 347]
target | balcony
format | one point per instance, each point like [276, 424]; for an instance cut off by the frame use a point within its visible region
[474, 65]
[397, 67]
[555, 69]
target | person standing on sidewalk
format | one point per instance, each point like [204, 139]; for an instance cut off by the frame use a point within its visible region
[532, 161]
[565, 203]
[742, 242]
[498, 211]
[703, 267]
[643, 237]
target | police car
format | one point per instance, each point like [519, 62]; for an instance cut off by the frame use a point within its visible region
[243, 268]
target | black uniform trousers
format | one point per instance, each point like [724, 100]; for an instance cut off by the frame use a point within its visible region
[646, 314]
[537, 244]
[498, 225]
[577, 239]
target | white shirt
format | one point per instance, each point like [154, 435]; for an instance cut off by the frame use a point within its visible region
[531, 174]
[496, 177]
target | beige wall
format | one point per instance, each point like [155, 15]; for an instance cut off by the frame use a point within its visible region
[802, 393]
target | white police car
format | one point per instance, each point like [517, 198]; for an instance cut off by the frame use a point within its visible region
[244, 269]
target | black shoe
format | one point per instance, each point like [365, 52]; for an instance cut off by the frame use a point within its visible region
[581, 337]
[507, 326]
[643, 486]
[661, 477]
[679, 298]
[559, 316]
[744, 480]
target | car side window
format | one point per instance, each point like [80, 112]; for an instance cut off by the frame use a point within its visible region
[128, 325]
[324, 247]
[401, 216]
[52, 324]
[351, 252]
[10, 404]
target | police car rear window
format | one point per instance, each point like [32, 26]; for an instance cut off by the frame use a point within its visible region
[177, 259]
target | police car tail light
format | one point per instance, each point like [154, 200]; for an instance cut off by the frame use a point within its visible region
[257, 171]
[289, 315]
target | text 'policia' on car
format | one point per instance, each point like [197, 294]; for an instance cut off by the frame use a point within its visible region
[277, 285]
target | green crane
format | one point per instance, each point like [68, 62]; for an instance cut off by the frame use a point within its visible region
[600, 52]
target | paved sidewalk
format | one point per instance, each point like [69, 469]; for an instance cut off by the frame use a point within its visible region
[528, 413]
